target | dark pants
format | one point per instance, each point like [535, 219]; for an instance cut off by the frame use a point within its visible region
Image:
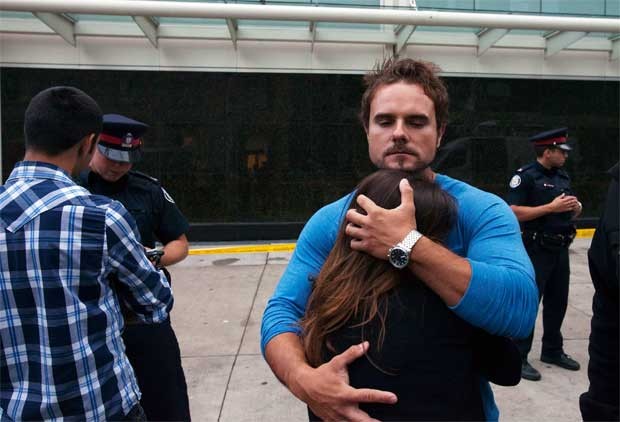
[601, 401]
[154, 354]
[552, 276]
[136, 414]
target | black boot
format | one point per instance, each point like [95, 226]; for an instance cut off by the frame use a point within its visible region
[562, 360]
[528, 372]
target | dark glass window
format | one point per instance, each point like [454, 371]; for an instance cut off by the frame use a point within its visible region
[241, 147]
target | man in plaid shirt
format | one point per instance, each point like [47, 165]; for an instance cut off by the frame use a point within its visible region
[61, 352]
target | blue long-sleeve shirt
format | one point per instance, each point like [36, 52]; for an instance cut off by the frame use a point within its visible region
[501, 298]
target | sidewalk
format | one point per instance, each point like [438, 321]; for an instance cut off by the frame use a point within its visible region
[219, 300]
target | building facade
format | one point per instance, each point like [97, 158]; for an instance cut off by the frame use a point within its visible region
[254, 121]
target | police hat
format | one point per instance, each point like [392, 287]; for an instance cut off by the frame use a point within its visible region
[121, 138]
[552, 138]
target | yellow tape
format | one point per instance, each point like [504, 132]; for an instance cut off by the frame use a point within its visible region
[275, 247]
[289, 247]
[585, 233]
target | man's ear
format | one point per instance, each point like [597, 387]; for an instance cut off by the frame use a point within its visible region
[440, 133]
[93, 139]
[87, 145]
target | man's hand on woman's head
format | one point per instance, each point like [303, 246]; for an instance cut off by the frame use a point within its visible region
[327, 392]
[380, 229]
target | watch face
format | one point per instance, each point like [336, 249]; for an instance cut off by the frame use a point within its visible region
[399, 257]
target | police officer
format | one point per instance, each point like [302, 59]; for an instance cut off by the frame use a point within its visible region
[541, 197]
[602, 400]
[152, 349]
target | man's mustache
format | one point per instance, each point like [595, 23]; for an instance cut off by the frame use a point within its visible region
[396, 149]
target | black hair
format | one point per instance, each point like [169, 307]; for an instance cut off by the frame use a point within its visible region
[540, 149]
[59, 117]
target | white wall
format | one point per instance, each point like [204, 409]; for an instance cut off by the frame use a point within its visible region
[512, 56]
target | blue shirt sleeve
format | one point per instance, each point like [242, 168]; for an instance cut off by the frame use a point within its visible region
[288, 303]
[502, 296]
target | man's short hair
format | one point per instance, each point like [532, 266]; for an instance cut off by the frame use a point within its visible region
[540, 149]
[58, 118]
[409, 71]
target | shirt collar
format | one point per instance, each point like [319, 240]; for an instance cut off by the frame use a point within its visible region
[32, 189]
[39, 170]
[545, 170]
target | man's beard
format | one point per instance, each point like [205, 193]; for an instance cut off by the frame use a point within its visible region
[418, 169]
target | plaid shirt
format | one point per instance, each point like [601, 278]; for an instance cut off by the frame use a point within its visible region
[61, 352]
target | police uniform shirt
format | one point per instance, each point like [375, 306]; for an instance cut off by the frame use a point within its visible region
[155, 212]
[535, 185]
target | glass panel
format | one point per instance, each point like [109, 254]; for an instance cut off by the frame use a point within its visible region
[101, 18]
[521, 6]
[554, 7]
[531, 32]
[336, 25]
[192, 21]
[272, 24]
[233, 147]
[599, 34]
[447, 29]
[612, 7]
[457, 5]
[585, 7]
[493, 118]
[22, 15]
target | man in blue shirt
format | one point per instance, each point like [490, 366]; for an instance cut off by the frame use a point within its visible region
[483, 273]
[61, 352]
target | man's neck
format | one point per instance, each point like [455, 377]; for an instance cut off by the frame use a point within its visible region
[62, 160]
[544, 163]
[427, 174]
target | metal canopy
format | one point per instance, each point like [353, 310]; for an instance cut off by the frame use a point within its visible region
[488, 37]
[380, 25]
[62, 24]
[148, 25]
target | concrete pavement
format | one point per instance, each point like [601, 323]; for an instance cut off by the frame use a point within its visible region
[219, 300]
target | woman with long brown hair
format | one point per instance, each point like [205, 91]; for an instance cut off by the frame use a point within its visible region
[419, 349]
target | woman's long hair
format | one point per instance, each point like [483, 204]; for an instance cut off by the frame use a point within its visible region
[354, 286]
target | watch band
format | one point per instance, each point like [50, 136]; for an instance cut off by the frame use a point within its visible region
[410, 240]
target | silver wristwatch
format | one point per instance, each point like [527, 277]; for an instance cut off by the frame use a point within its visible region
[398, 255]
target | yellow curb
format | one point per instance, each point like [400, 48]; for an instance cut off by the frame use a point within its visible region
[585, 233]
[289, 247]
[275, 247]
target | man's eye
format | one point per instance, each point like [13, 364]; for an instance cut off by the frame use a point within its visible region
[416, 123]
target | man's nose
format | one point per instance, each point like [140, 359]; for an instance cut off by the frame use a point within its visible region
[399, 130]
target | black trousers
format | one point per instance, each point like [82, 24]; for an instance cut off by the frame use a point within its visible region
[154, 354]
[136, 414]
[601, 402]
[552, 277]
